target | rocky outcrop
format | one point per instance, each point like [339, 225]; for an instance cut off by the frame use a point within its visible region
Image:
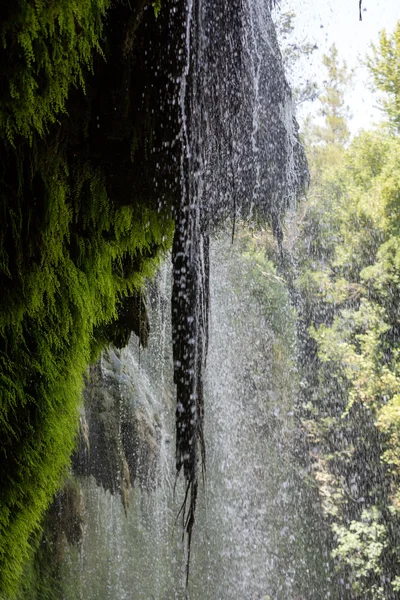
[65, 516]
[119, 443]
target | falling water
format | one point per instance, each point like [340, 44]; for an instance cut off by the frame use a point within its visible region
[254, 536]
[240, 158]
[257, 532]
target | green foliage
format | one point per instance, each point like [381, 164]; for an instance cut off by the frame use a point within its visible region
[269, 288]
[78, 237]
[293, 53]
[360, 547]
[384, 67]
[351, 295]
[82, 260]
[46, 48]
[329, 137]
[333, 108]
[157, 8]
[348, 297]
[45, 576]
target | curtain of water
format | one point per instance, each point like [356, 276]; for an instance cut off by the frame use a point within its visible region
[240, 158]
[257, 531]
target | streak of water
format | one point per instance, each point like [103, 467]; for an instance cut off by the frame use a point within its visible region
[256, 531]
[238, 157]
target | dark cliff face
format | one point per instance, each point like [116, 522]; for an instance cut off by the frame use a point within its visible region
[241, 131]
[240, 159]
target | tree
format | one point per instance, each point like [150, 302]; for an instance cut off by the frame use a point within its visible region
[348, 296]
[384, 66]
[326, 141]
[333, 102]
[303, 89]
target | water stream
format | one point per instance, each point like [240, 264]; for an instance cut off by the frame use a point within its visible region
[254, 536]
[240, 158]
[256, 523]
[257, 533]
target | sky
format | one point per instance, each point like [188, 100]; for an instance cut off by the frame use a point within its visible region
[325, 22]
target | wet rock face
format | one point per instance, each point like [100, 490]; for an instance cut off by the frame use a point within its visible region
[119, 443]
[65, 516]
[240, 159]
[132, 317]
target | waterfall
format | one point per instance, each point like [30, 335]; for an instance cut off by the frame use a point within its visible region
[257, 533]
[240, 158]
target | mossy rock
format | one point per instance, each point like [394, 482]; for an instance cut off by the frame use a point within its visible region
[82, 226]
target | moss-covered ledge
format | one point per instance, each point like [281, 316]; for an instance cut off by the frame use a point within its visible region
[85, 216]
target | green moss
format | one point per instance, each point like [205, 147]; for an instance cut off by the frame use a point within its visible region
[156, 7]
[68, 282]
[80, 232]
[49, 48]
[45, 576]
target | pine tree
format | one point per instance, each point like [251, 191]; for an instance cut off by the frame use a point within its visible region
[384, 66]
[333, 101]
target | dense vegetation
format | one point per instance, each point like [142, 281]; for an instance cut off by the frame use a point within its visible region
[81, 226]
[345, 282]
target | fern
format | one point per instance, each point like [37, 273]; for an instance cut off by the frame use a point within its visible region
[68, 257]
[54, 50]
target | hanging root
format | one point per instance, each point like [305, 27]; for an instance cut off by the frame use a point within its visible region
[190, 303]
[188, 519]
[188, 526]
